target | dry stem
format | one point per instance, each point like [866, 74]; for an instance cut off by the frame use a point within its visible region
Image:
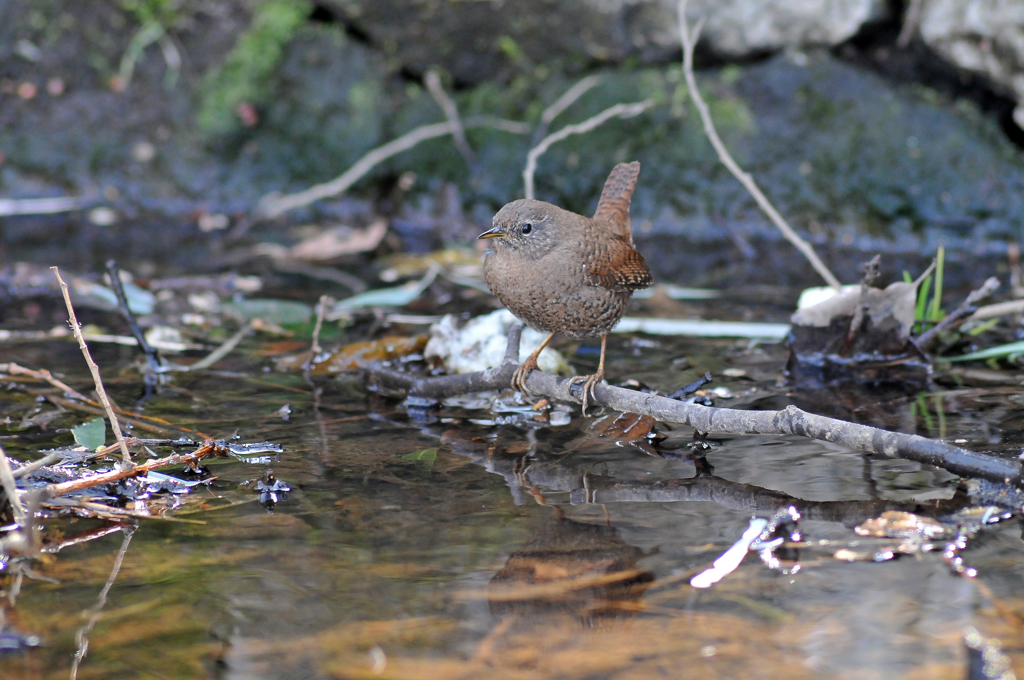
[11, 489]
[94, 369]
[206, 448]
[275, 204]
[433, 82]
[42, 374]
[689, 41]
[966, 307]
[617, 111]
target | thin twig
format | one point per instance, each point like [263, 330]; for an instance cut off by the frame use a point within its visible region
[206, 448]
[911, 20]
[219, 353]
[790, 420]
[689, 41]
[11, 489]
[42, 374]
[315, 350]
[275, 204]
[321, 309]
[966, 307]
[152, 376]
[94, 369]
[562, 103]
[617, 111]
[433, 82]
[29, 468]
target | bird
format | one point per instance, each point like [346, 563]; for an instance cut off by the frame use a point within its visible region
[563, 273]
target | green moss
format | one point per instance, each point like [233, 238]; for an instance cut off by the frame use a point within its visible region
[244, 74]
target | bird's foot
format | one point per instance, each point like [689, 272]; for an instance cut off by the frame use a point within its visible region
[519, 377]
[589, 383]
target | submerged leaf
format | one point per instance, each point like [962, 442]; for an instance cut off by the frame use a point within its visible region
[91, 434]
[426, 456]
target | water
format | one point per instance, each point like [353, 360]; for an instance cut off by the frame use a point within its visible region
[508, 551]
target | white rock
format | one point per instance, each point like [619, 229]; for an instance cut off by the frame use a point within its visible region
[480, 344]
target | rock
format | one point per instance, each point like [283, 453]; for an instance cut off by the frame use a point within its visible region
[478, 41]
[985, 37]
[741, 28]
[480, 344]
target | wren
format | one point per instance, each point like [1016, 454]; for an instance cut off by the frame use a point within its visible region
[560, 272]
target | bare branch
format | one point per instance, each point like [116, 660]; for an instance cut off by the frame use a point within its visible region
[689, 42]
[10, 488]
[708, 419]
[562, 103]
[94, 369]
[433, 82]
[911, 20]
[617, 111]
[966, 307]
[275, 204]
[206, 448]
[42, 374]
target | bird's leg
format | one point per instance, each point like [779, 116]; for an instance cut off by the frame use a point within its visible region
[519, 377]
[589, 382]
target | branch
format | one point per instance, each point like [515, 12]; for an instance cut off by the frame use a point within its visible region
[791, 420]
[275, 204]
[689, 41]
[911, 19]
[617, 111]
[206, 448]
[94, 369]
[433, 82]
[966, 307]
[10, 489]
[562, 103]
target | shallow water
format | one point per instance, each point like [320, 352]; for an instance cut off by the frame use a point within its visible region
[512, 551]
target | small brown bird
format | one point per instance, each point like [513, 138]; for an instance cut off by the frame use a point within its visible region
[564, 273]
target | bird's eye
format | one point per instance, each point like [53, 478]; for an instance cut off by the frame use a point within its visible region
[527, 228]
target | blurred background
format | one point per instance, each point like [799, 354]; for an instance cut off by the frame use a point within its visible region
[875, 126]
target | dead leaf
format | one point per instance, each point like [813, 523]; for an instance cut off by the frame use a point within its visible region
[362, 354]
[339, 241]
[895, 524]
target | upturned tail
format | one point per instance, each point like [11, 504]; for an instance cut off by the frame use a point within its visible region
[613, 207]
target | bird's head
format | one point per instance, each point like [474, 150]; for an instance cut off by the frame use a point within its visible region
[527, 227]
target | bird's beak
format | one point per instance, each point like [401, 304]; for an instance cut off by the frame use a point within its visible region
[492, 233]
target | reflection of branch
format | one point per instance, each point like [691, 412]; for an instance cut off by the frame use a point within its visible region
[791, 420]
[689, 41]
[94, 369]
[82, 636]
[433, 82]
[617, 111]
[275, 204]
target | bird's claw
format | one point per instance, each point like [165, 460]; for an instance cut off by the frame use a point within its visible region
[519, 377]
[589, 383]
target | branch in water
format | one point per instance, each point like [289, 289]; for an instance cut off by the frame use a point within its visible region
[790, 420]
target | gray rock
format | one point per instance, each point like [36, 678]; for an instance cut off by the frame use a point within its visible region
[477, 41]
[742, 27]
[985, 37]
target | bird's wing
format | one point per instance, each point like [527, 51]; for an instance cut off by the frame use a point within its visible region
[615, 264]
[613, 206]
